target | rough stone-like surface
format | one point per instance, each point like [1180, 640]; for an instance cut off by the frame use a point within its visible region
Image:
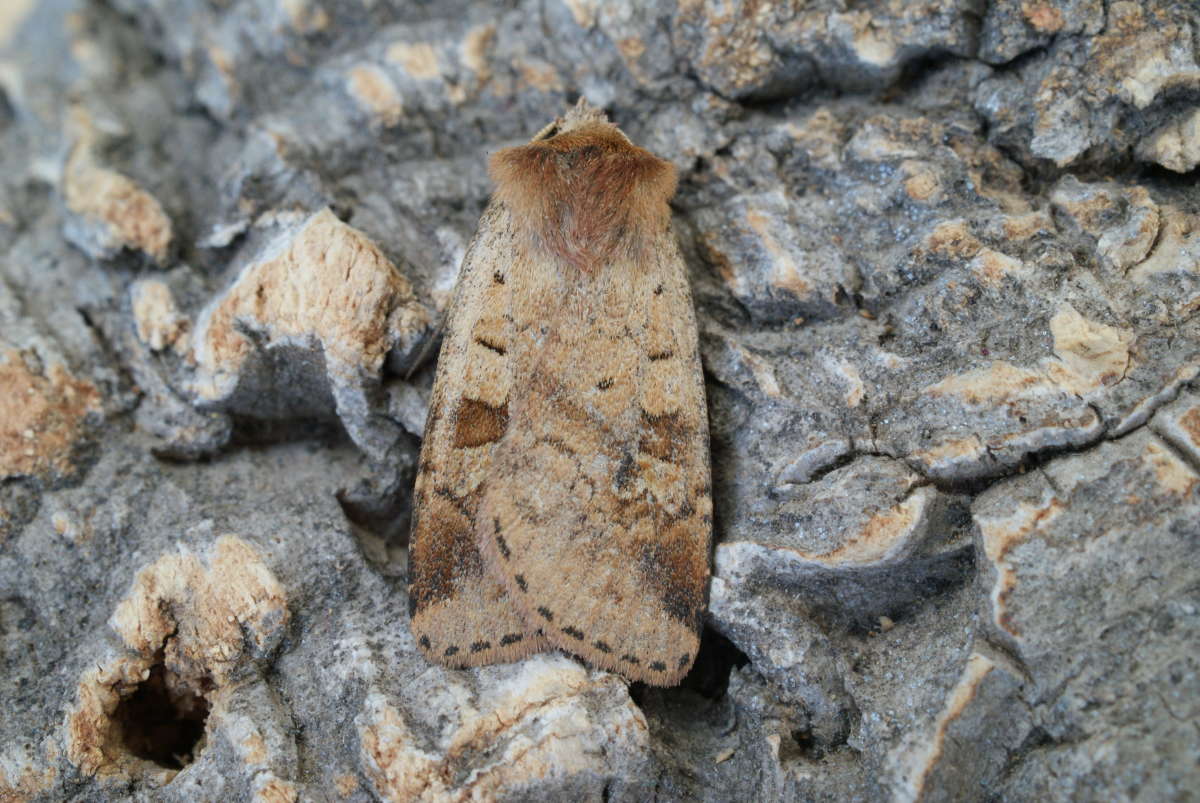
[1045, 542]
[323, 299]
[1076, 99]
[946, 259]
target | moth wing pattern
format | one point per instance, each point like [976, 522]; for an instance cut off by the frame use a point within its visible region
[599, 511]
[461, 614]
[563, 495]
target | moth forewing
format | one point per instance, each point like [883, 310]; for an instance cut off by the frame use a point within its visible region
[461, 616]
[569, 429]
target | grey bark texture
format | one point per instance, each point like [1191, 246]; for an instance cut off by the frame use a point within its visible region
[946, 261]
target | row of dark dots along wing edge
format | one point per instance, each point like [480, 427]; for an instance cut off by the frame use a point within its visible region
[574, 632]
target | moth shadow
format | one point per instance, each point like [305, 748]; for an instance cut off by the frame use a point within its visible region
[708, 677]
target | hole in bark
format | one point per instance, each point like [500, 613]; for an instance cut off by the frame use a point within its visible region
[162, 721]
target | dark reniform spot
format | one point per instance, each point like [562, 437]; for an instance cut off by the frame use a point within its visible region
[658, 666]
[450, 651]
[605, 384]
[477, 423]
[498, 277]
[480, 646]
[424, 642]
[573, 633]
[502, 546]
[511, 638]
[656, 356]
[684, 660]
[658, 291]
[546, 614]
[520, 578]
[630, 659]
[602, 647]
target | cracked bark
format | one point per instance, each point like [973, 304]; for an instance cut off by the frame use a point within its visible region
[952, 375]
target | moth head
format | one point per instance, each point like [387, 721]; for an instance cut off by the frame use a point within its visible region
[582, 114]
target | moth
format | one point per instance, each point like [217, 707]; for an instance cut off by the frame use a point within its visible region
[562, 497]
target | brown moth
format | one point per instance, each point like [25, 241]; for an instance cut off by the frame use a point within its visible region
[562, 495]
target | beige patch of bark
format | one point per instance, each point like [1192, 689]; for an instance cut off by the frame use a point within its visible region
[327, 283]
[41, 416]
[537, 726]
[159, 322]
[375, 92]
[133, 217]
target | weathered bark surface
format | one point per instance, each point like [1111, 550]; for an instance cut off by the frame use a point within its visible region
[946, 258]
